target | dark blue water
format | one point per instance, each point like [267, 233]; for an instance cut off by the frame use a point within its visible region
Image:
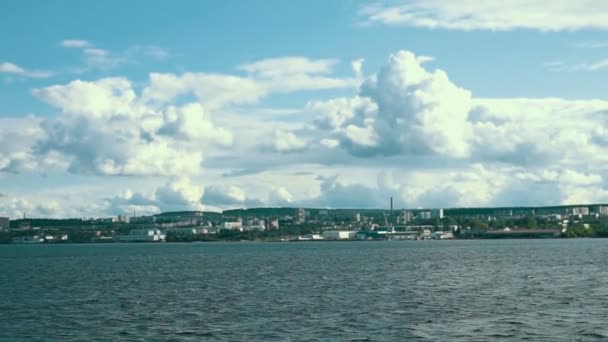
[536, 290]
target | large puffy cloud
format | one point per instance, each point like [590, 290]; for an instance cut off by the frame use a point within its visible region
[105, 98]
[105, 129]
[402, 109]
[542, 15]
[418, 110]
[410, 111]
[18, 137]
[540, 131]
[17, 207]
[180, 193]
[191, 122]
[183, 193]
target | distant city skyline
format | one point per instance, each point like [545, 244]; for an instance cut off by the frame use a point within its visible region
[107, 109]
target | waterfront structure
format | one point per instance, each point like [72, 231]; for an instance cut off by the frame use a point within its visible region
[405, 235]
[338, 234]
[56, 238]
[442, 235]
[143, 235]
[28, 239]
[426, 234]
[5, 223]
[310, 237]
[522, 233]
[412, 228]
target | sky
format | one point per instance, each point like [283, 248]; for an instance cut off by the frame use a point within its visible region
[141, 107]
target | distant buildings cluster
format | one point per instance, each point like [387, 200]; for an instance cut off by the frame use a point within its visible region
[321, 224]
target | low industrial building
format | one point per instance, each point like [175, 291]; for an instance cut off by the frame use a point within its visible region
[522, 233]
[143, 235]
[310, 237]
[442, 235]
[339, 234]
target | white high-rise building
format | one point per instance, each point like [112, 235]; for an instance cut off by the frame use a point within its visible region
[406, 217]
[437, 213]
[580, 211]
[301, 215]
[425, 215]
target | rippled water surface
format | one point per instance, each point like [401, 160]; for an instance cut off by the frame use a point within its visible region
[536, 290]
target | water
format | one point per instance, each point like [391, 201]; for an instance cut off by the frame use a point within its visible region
[537, 290]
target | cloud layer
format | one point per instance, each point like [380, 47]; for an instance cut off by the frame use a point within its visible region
[204, 141]
[541, 15]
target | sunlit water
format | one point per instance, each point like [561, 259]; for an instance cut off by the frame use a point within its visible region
[537, 290]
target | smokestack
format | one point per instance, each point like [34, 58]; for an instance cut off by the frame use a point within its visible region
[391, 204]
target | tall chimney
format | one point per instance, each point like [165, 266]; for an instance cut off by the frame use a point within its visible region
[391, 204]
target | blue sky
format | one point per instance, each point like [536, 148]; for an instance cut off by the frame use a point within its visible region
[269, 91]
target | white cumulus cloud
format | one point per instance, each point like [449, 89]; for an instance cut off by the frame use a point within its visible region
[402, 109]
[105, 129]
